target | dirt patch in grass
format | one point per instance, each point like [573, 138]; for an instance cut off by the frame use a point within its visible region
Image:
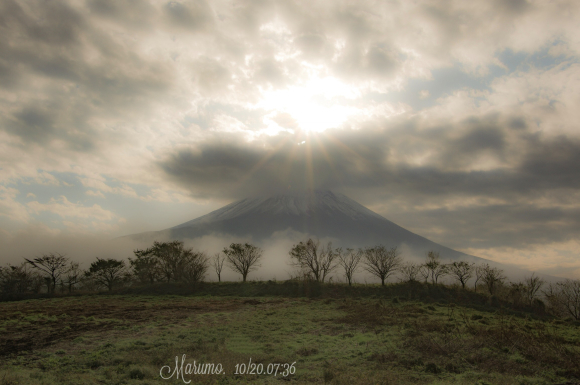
[34, 324]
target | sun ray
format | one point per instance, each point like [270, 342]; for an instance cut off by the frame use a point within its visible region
[326, 156]
[309, 175]
[261, 162]
[356, 156]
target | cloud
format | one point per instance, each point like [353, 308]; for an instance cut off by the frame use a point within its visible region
[193, 15]
[95, 193]
[10, 207]
[66, 209]
[424, 159]
[100, 186]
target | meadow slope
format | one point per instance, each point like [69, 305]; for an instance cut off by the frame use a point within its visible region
[327, 333]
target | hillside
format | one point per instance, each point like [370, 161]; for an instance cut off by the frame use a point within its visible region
[395, 335]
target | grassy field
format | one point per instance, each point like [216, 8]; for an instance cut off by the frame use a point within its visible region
[333, 334]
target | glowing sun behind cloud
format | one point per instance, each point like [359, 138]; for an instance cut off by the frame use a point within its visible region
[313, 106]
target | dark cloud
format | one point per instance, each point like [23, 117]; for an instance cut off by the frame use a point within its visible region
[40, 122]
[479, 138]
[517, 123]
[59, 24]
[193, 15]
[518, 225]
[75, 72]
[513, 7]
[235, 168]
[9, 75]
[33, 123]
[372, 158]
[554, 162]
[134, 14]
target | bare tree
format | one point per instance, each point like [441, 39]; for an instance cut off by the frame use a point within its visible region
[243, 258]
[314, 260]
[349, 262]
[218, 264]
[532, 285]
[479, 273]
[52, 266]
[410, 271]
[564, 298]
[570, 290]
[492, 277]
[434, 266]
[382, 262]
[461, 271]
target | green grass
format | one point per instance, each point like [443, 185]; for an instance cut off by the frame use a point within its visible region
[370, 336]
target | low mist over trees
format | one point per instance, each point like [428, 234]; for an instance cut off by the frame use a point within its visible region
[173, 263]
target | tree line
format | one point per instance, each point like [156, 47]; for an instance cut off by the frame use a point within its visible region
[173, 262]
[162, 262]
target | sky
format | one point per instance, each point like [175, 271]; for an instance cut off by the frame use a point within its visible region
[457, 120]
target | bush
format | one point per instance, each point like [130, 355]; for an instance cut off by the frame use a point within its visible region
[136, 374]
[432, 368]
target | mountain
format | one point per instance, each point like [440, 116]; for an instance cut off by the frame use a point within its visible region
[320, 214]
